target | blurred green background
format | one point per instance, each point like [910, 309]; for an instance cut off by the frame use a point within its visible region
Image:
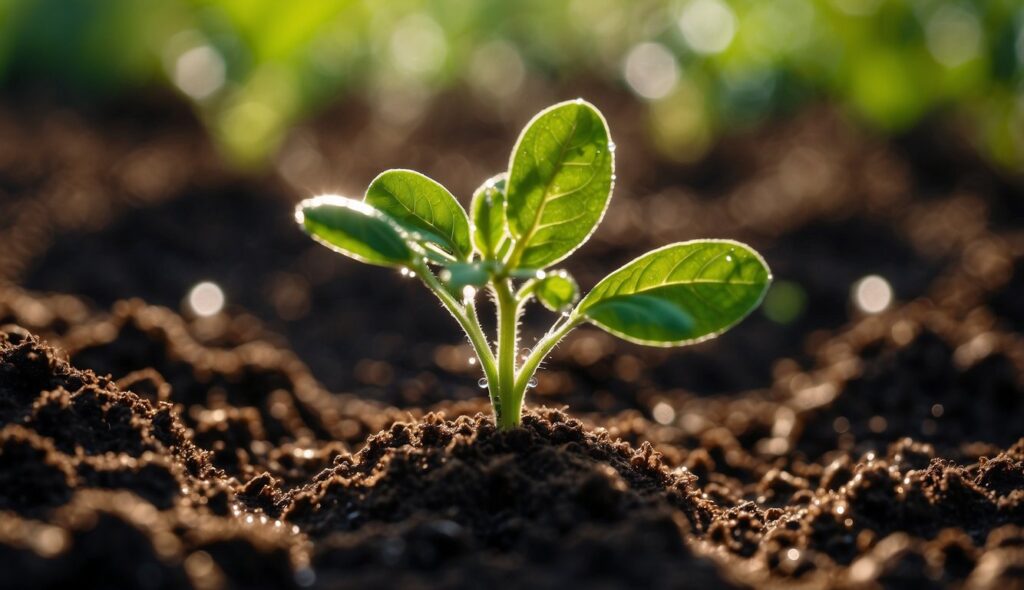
[254, 68]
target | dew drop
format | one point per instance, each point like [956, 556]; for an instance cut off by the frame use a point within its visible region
[482, 383]
[472, 361]
[541, 274]
[405, 272]
[531, 383]
[611, 146]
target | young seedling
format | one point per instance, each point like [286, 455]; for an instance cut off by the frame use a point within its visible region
[520, 224]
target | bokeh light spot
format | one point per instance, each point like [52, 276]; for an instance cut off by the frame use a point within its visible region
[497, 69]
[1020, 45]
[708, 25]
[872, 294]
[953, 36]
[663, 413]
[785, 302]
[199, 72]
[418, 45]
[206, 299]
[650, 70]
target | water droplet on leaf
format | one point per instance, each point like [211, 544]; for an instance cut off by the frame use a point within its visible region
[482, 383]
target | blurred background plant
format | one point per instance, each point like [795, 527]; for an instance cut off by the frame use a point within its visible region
[254, 68]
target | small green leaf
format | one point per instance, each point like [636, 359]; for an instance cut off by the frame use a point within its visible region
[560, 181]
[354, 229]
[679, 294]
[424, 208]
[465, 274]
[557, 290]
[488, 213]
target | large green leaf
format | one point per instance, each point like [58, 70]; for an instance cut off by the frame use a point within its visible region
[559, 184]
[355, 229]
[488, 213]
[424, 208]
[679, 294]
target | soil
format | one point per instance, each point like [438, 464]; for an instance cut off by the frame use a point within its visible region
[326, 430]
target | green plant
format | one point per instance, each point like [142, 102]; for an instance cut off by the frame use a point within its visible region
[524, 221]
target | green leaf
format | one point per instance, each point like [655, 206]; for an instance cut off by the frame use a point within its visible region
[488, 213]
[355, 229]
[465, 274]
[560, 181]
[679, 294]
[424, 208]
[557, 290]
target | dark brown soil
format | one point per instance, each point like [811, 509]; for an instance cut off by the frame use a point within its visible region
[326, 430]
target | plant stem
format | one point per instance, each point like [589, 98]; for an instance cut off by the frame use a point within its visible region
[506, 383]
[546, 344]
[467, 318]
[507, 412]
